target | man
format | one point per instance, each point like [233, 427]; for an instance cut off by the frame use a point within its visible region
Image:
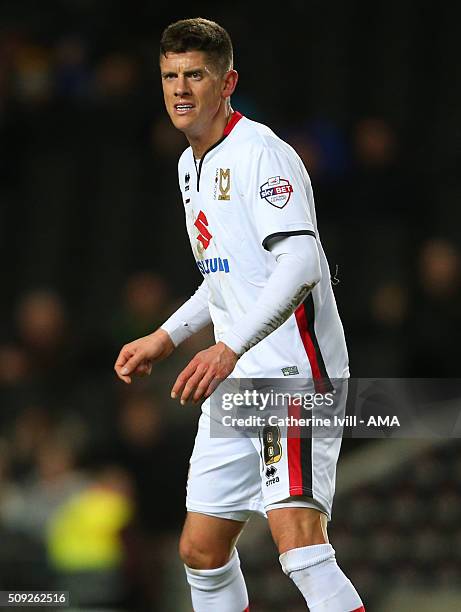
[251, 222]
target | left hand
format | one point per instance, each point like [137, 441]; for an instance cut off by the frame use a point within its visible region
[204, 373]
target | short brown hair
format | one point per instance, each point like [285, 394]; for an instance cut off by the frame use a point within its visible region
[199, 35]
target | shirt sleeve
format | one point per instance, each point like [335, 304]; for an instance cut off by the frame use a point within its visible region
[190, 318]
[280, 194]
[296, 273]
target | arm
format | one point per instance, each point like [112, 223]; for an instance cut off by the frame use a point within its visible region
[137, 357]
[190, 318]
[296, 273]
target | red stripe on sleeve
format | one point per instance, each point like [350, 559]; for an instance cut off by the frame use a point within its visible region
[301, 319]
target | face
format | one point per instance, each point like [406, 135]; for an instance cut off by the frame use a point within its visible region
[193, 90]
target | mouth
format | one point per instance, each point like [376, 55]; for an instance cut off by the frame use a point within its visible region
[184, 108]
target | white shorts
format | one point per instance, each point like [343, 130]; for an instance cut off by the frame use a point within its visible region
[232, 477]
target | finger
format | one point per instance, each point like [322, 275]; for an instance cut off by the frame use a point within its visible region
[132, 363]
[183, 377]
[126, 379]
[123, 357]
[148, 369]
[212, 386]
[203, 386]
[193, 381]
[143, 369]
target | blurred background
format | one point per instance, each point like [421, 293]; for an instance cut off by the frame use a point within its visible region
[92, 473]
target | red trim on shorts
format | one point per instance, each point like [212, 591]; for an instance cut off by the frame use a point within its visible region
[247, 609]
[235, 118]
[294, 452]
[361, 609]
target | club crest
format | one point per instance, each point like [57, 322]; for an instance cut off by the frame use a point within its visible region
[223, 183]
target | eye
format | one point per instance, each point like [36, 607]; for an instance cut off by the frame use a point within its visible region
[196, 76]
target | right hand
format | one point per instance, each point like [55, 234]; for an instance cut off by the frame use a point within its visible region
[137, 357]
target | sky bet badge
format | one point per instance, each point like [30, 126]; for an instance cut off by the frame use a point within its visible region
[277, 191]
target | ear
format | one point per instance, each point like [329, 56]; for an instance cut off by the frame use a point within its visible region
[229, 83]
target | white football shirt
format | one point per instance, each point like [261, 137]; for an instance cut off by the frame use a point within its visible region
[249, 187]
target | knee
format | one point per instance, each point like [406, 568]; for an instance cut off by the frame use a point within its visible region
[297, 540]
[297, 527]
[197, 555]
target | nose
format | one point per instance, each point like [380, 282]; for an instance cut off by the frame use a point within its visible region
[182, 88]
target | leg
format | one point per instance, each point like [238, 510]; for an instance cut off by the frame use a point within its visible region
[309, 560]
[223, 490]
[207, 548]
[298, 468]
[206, 541]
[296, 527]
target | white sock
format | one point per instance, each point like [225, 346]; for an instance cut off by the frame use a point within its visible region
[319, 578]
[220, 589]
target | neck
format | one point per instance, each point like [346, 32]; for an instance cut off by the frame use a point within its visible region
[210, 135]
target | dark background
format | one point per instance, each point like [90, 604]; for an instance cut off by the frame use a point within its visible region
[95, 251]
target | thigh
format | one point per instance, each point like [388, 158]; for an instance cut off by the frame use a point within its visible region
[224, 477]
[297, 527]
